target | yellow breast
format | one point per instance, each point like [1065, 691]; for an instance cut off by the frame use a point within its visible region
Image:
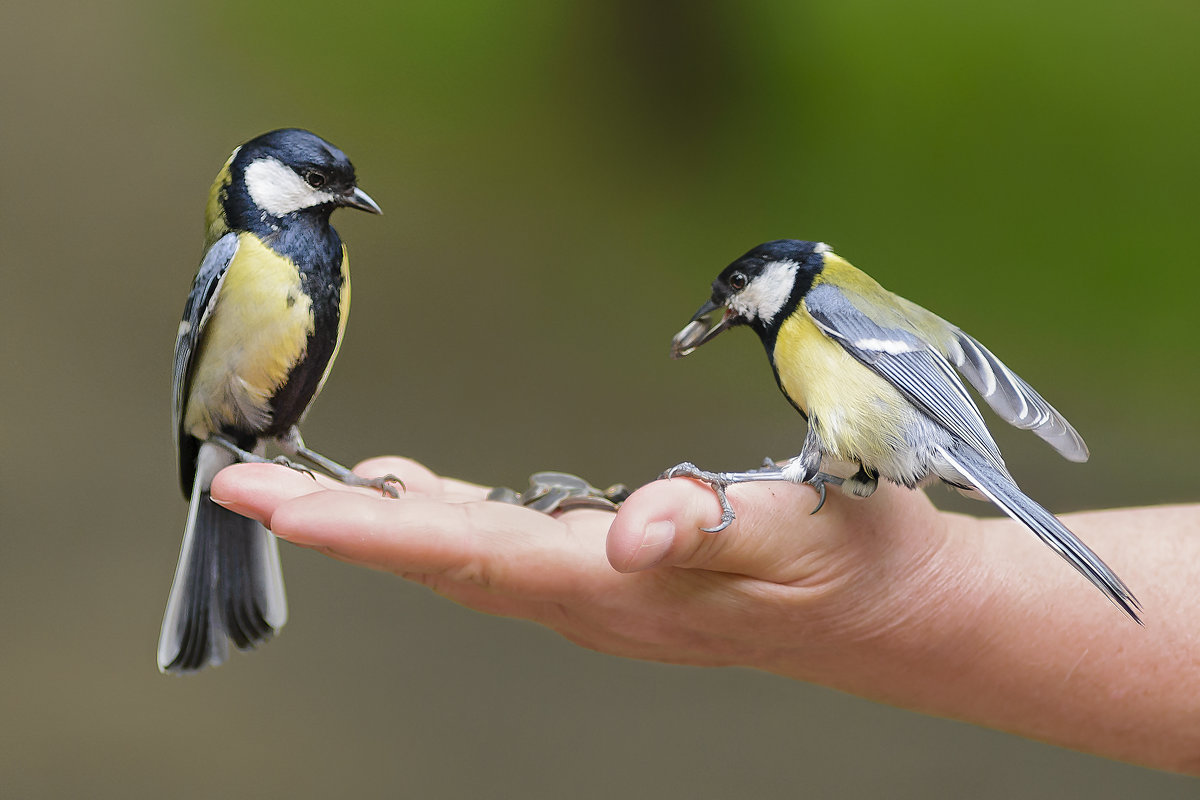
[857, 414]
[258, 331]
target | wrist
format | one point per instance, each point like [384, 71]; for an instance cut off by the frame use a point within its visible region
[907, 582]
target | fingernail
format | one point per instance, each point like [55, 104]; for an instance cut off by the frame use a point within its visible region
[656, 541]
[232, 506]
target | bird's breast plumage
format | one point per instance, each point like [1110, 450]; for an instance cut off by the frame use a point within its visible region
[857, 414]
[270, 342]
[258, 332]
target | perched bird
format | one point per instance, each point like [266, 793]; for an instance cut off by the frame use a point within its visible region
[260, 331]
[874, 375]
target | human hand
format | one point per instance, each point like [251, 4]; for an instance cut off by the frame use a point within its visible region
[779, 589]
[886, 597]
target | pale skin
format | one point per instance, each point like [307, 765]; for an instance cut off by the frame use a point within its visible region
[887, 598]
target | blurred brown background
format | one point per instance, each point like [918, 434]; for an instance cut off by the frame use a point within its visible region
[561, 181]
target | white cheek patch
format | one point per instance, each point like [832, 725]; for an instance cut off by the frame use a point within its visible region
[766, 295]
[278, 190]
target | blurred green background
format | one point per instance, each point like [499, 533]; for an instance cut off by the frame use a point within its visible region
[561, 182]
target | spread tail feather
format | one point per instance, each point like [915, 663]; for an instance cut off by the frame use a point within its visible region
[1012, 501]
[228, 584]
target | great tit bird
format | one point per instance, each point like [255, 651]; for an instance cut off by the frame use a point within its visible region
[874, 375]
[260, 331]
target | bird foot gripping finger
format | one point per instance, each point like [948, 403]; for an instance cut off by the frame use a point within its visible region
[820, 487]
[715, 480]
[386, 484]
[727, 514]
[689, 470]
[818, 482]
[284, 461]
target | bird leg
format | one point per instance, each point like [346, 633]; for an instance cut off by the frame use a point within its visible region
[770, 471]
[806, 467]
[293, 445]
[246, 457]
[720, 481]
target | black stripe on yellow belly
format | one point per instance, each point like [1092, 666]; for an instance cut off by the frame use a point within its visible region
[328, 288]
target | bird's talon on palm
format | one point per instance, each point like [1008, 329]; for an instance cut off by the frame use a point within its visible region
[727, 514]
[284, 461]
[819, 485]
[689, 470]
[386, 486]
[685, 470]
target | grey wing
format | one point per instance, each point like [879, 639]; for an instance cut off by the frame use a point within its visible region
[918, 370]
[1013, 399]
[196, 313]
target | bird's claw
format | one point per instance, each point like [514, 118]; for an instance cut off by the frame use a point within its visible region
[818, 482]
[715, 481]
[727, 514]
[284, 461]
[820, 487]
[689, 470]
[685, 470]
[384, 484]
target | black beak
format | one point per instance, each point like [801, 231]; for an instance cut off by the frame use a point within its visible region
[357, 198]
[711, 319]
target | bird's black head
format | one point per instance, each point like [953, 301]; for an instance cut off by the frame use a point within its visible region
[760, 289]
[286, 174]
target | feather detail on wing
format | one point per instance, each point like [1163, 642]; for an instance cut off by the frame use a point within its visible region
[196, 313]
[909, 363]
[1013, 399]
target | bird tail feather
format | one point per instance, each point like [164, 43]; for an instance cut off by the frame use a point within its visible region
[228, 584]
[1012, 501]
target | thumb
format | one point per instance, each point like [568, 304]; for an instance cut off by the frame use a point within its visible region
[773, 536]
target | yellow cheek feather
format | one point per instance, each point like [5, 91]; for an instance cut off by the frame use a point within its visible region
[258, 331]
[858, 415]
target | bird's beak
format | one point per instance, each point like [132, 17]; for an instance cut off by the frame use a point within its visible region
[711, 319]
[357, 198]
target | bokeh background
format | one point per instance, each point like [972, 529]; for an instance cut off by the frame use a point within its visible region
[561, 181]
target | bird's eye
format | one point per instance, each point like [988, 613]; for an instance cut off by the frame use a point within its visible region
[737, 281]
[314, 179]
